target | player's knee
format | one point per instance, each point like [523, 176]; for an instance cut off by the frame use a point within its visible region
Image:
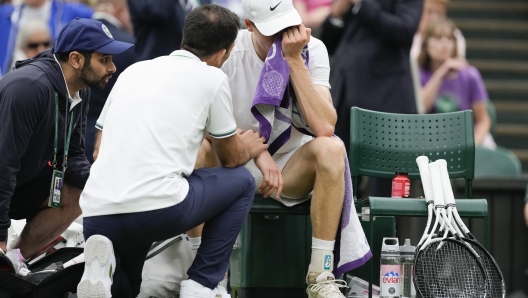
[329, 152]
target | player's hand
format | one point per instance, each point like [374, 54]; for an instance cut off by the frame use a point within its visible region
[271, 174]
[3, 246]
[253, 141]
[294, 40]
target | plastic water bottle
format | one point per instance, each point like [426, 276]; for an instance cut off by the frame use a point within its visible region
[390, 273]
[407, 261]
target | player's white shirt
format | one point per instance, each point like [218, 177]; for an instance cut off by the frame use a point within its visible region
[156, 117]
[243, 69]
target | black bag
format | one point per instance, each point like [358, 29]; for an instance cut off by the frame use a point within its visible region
[55, 285]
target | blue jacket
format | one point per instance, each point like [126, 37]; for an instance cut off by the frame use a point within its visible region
[61, 14]
[27, 125]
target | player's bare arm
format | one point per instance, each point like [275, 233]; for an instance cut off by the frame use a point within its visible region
[315, 101]
[238, 149]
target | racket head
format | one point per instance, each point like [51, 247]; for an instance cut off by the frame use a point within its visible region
[451, 271]
[496, 285]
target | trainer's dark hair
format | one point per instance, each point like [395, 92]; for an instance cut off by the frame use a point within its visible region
[209, 29]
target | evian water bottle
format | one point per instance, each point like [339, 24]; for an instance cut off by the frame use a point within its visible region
[390, 275]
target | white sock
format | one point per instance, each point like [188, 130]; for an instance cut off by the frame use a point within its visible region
[322, 256]
[195, 242]
[322, 244]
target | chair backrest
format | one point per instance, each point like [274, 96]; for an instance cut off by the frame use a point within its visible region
[499, 162]
[382, 144]
[493, 116]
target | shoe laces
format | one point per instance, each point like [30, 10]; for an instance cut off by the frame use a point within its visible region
[328, 287]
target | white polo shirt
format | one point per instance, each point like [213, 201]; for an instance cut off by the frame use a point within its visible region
[243, 69]
[159, 113]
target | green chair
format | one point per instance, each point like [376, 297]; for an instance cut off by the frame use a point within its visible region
[383, 143]
[499, 162]
[493, 116]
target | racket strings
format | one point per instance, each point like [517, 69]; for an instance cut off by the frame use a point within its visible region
[449, 272]
[495, 286]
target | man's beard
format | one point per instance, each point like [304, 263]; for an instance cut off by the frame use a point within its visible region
[88, 76]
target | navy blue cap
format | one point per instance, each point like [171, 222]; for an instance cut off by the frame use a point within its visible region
[87, 35]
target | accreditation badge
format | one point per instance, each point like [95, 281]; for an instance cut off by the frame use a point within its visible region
[56, 189]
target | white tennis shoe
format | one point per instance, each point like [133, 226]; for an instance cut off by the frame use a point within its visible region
[189, 290]
[99, 268]
[324, 286]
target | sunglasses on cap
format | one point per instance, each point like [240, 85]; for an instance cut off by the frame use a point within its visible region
[35, 45]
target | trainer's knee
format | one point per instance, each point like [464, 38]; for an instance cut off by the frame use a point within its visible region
[70, 201]
[248, 177]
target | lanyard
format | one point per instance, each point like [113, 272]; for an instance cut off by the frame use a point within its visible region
[66, 138]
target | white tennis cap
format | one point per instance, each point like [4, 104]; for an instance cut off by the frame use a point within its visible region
[271, 16]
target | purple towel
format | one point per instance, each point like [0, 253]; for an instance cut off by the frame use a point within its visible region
[274, 101]
[275, 107]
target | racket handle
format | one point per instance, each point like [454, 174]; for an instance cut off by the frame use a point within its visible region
[438, 192]
[425, 176]
[76, 260]
[449, 197]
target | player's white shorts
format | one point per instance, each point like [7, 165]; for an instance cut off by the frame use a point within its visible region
[281, 159]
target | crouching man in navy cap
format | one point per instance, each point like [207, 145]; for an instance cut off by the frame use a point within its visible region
[43, 108]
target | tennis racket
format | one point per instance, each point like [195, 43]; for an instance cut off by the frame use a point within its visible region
[496, 285]
[447, 267]
[425, 176]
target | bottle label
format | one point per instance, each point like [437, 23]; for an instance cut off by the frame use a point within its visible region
[397, 189]
[407, 190]
[390, 280]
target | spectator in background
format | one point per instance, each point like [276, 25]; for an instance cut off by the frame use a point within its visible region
[33, 38]
[158, 25]
[449, 83]
[526, 206]
[435, 10]
[233, 5]
[313, 12]
[55, 13]
[114, 14]
[371, 41]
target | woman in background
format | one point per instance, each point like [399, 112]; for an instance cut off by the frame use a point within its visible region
[449, 83]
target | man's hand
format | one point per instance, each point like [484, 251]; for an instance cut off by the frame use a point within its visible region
[3, 246]
[294, 40]
[272, 176]
[253, 141]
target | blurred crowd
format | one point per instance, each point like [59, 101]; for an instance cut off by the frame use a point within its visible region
[399, 56]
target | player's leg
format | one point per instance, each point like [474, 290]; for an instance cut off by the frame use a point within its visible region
[319, 165]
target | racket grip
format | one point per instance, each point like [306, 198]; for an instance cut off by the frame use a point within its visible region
[438, 193]
[425, 176]
[76, 260]
[449, 197]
